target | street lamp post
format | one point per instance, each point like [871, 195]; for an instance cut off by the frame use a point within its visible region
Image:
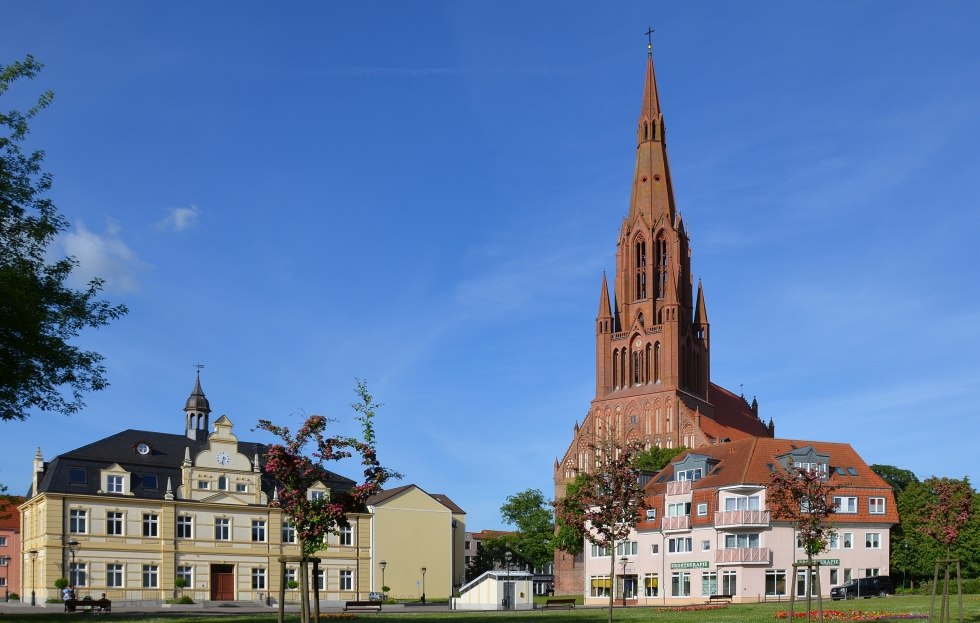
[508, 592]
[624, 560]
[423, 583]
[73, 548]
[33, 554]
[382, 564]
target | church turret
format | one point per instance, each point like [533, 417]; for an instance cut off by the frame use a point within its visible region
[196, 411]
[604, 327]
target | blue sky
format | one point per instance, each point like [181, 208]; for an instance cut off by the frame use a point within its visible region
[425, 195]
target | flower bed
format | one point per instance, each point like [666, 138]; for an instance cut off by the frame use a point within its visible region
[851, 615]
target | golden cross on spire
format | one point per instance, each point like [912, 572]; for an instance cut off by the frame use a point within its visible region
[649, 34]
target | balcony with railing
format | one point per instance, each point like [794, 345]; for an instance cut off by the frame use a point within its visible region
[743, 555]
[679, 487]
[675, 524]
[742, 518]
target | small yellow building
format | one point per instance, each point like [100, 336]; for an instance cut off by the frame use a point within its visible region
[418, 543]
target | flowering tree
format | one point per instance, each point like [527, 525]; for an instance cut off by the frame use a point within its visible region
[606, 503]
[944, 519]
[803, 497]
[297, 464]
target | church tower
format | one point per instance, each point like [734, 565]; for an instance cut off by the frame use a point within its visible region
[653, 355]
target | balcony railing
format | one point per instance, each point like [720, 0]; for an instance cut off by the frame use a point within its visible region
[734, 519]
[743, 555]
[681, 522]
[679, 487]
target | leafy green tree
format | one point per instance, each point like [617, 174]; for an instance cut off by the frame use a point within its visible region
[897, 478]
[534, 539]
[39, 314]
[570, 533]
[489, 555]
[655, 458]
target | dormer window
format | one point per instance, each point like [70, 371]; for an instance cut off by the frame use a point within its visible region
[114, 484]
[689, 474]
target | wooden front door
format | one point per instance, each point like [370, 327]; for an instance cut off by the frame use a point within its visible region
[222, 582]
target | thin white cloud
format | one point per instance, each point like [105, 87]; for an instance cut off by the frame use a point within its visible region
[102, 255]
[179, 219]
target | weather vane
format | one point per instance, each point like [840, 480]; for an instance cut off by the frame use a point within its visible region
[199, 366]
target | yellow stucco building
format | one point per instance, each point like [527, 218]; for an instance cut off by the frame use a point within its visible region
[415, 530]
[131, 514]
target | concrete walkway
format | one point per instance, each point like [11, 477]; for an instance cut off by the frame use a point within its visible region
[209, 608]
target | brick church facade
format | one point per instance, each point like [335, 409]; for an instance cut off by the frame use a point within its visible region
[653, 348]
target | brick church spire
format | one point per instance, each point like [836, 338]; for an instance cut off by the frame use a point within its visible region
[653, 382]
[653, 195]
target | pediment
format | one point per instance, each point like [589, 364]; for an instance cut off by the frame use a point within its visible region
[224, 498]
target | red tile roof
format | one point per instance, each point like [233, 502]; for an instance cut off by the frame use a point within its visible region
[733, 417]
[747, 461]
[9, 515]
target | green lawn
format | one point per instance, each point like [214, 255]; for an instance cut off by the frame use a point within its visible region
[747, 613]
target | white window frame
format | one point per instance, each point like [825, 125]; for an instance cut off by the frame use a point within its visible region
[78, 571]
[775, 574]
[78, 521]
[258, 531]
[651, 589]
[186, 572]
[674, 545]
[729, 582]
[346, 536]
[258, 579]
[115, 523]
[222, 529]
[709, 583]
[702, 509]
[876, 506]
[845, 504]
[680, 584]
[150, 577]
[847, 540]
[185, 522]
[151, 525]
[651, 514]
[115, 575]
[114, 483]
[288, 532]
[742, 540]
[597, 586]
[742, 503]
[346, 580]
[627, 548]
[872, 540]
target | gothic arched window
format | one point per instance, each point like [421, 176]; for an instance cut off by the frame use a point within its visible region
[640, 268]
[662, 258]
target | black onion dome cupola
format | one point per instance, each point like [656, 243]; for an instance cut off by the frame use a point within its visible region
[196, 412]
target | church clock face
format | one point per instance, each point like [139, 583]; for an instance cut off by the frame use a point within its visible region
[223, 458]
[638, 344]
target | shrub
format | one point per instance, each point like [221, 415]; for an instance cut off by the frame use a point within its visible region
[61, 583]
[13, 596]
[185, 599]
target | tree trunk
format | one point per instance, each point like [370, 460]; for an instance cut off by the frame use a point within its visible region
[612, 578]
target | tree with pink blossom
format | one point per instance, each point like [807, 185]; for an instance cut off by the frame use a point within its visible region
[943, 520]
[803, 498]
[298, 463]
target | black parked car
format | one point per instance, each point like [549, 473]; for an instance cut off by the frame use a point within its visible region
[875, 586]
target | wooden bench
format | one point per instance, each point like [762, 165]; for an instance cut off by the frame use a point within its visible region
[362, 606]
[88, 605]
[559, 602]
[719, 599]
